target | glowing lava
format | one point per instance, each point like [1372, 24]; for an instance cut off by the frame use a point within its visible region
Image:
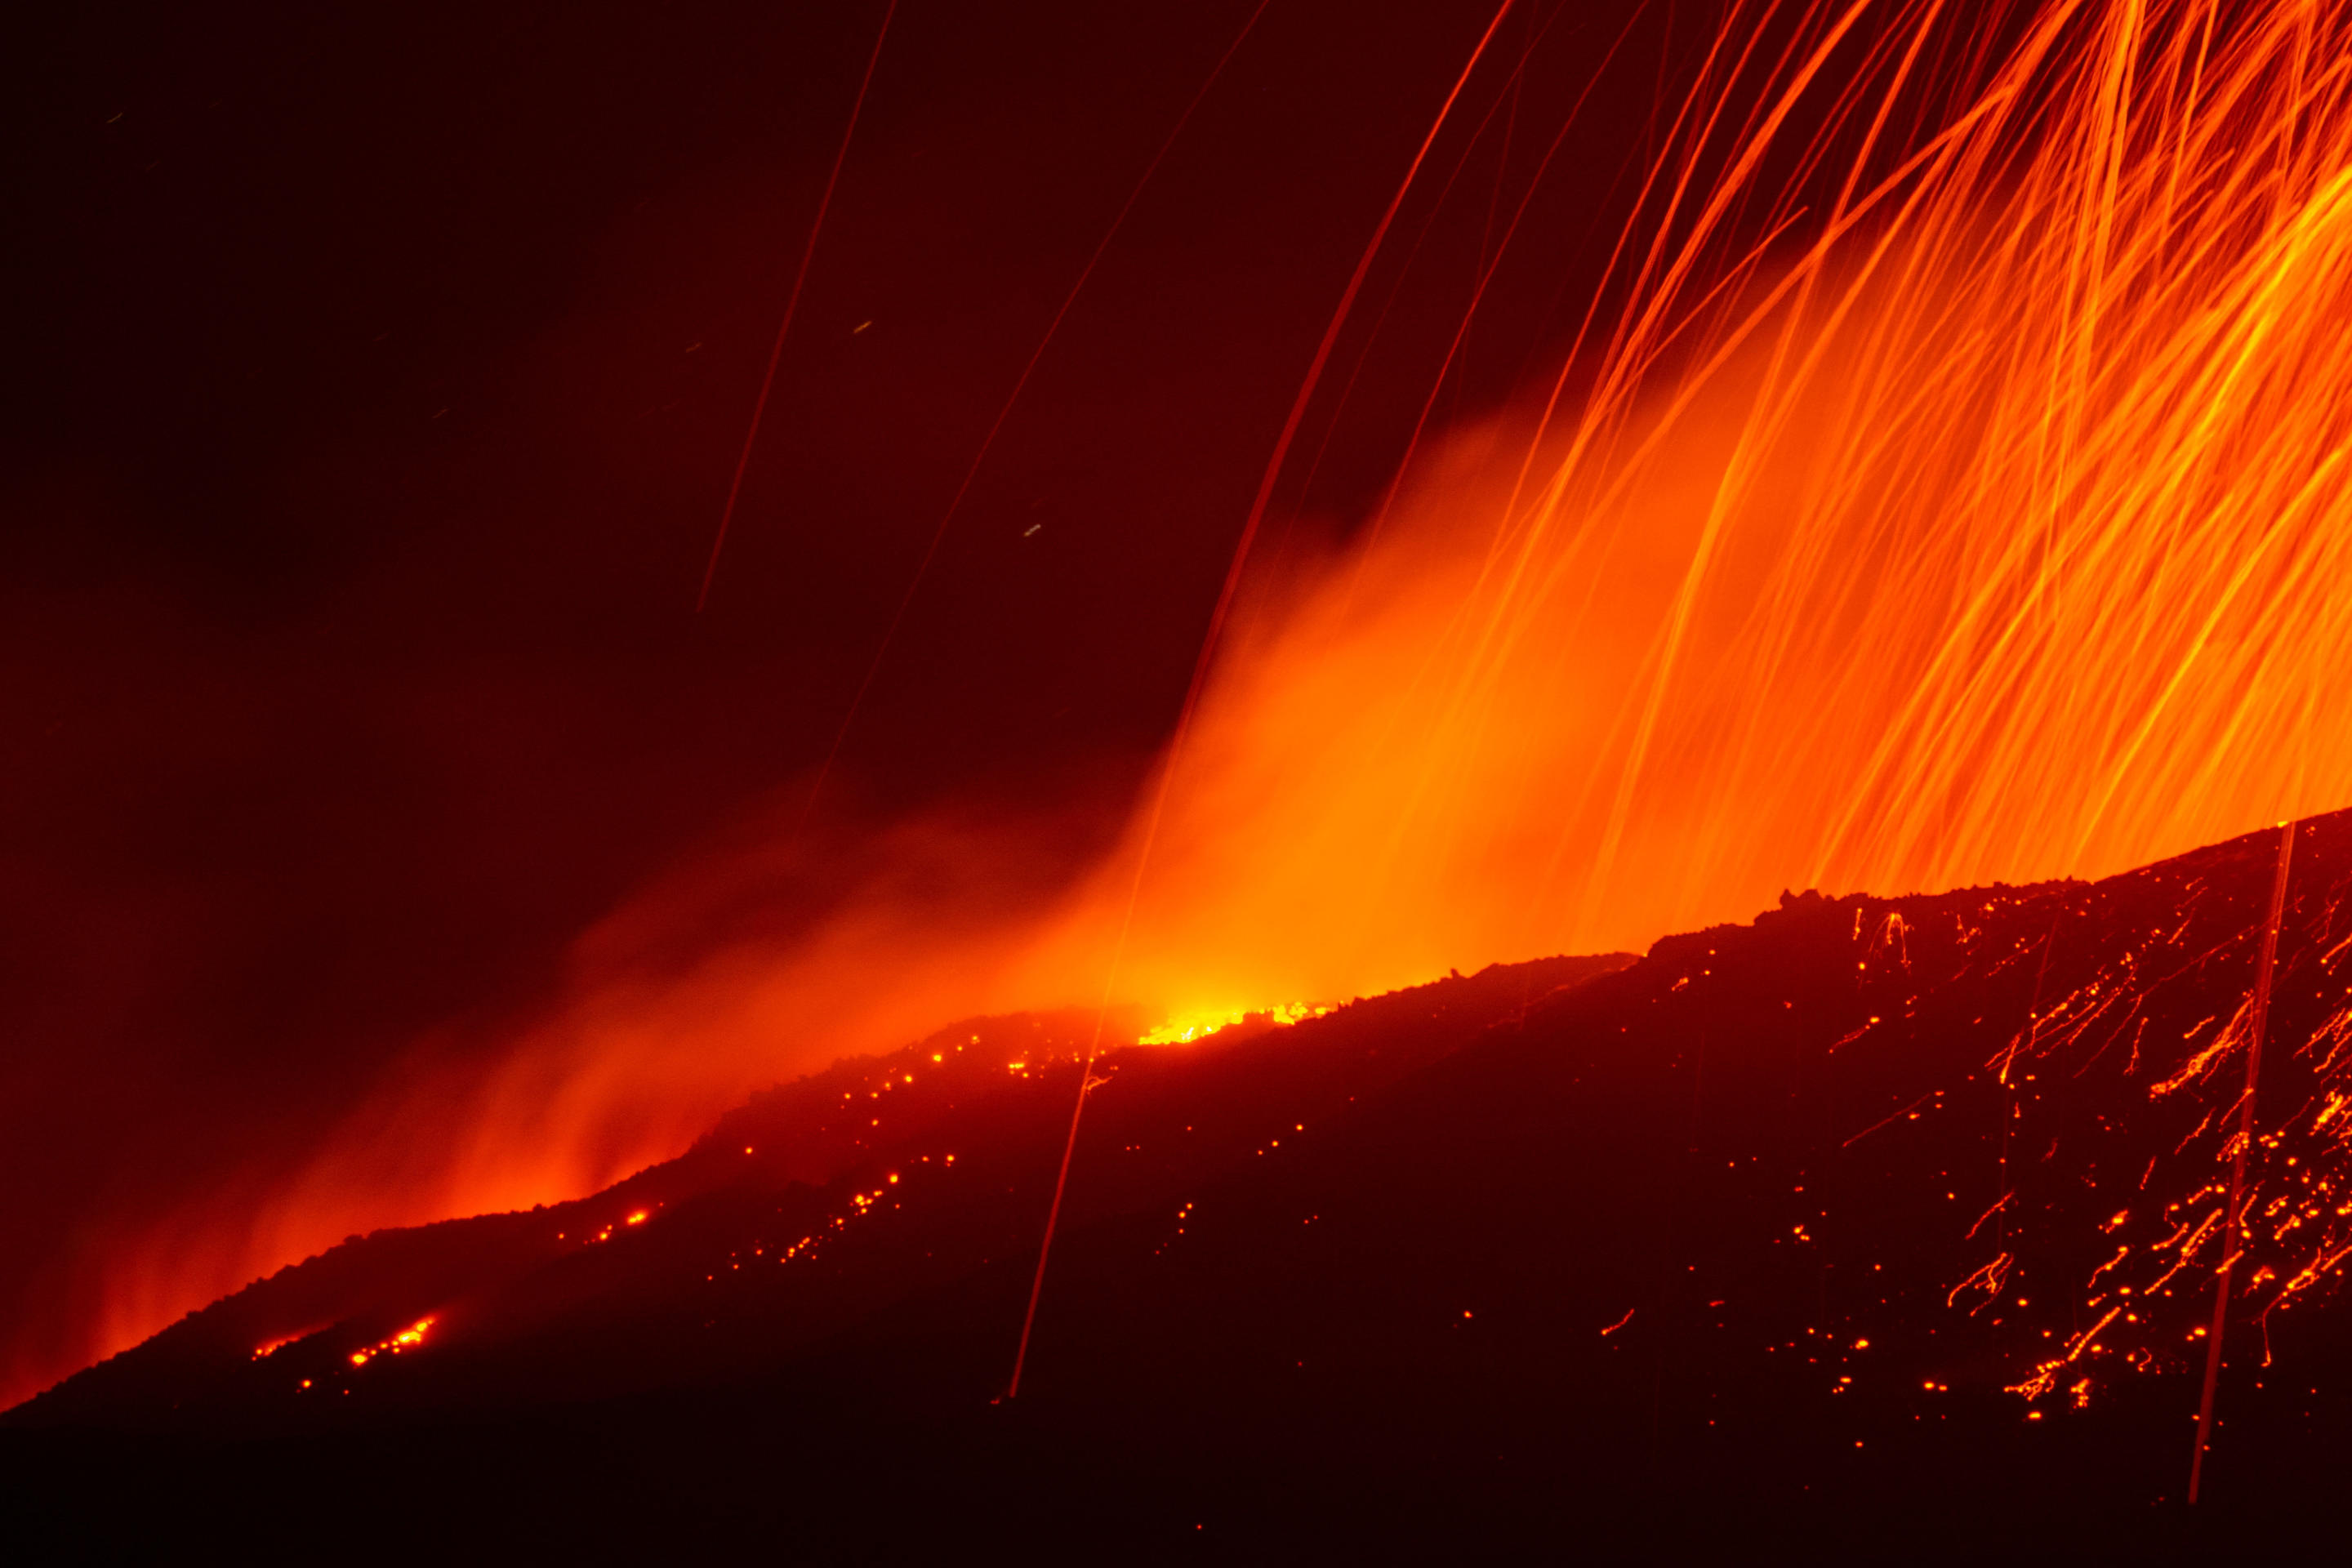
[1985, 523]
[408, 1339]
[1192, 1027]
[1950, 480]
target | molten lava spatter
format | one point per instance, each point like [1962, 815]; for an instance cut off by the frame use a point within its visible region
[1897, 1198]
[1945, 480]
[1862, 1168]
[1949, 484]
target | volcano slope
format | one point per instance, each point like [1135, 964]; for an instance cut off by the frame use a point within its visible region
[1877, 1223]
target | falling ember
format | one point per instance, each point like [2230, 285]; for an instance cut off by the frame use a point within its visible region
[1987, 524]
[1951, 484]
[1986, 521]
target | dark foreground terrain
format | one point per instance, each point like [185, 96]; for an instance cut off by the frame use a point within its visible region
[1879, 1228]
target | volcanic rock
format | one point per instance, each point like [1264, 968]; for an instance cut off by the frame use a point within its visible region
[1888, 1223]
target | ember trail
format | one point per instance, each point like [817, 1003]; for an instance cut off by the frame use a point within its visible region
[1943, 485]
[1867, 1199]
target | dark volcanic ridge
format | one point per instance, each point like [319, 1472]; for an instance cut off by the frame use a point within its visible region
[1901, 1207]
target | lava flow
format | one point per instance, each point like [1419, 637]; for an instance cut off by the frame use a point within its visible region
[1946, 484]
[1893, 1202]
[1939, 499]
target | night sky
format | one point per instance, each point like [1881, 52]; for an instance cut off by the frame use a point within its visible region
[374, 376]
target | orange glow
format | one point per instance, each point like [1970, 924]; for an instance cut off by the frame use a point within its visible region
[1987, 522]
[1194, 1027]
[262, 1351]
[1990, 530]
[405, 1340]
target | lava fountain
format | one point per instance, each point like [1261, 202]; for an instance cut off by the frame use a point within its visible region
[1947, 481]
[1948, 484]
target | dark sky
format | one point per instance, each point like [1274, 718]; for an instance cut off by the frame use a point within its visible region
[374, 377]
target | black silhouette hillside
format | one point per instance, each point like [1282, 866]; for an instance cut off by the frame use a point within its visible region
[1889, 1224]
